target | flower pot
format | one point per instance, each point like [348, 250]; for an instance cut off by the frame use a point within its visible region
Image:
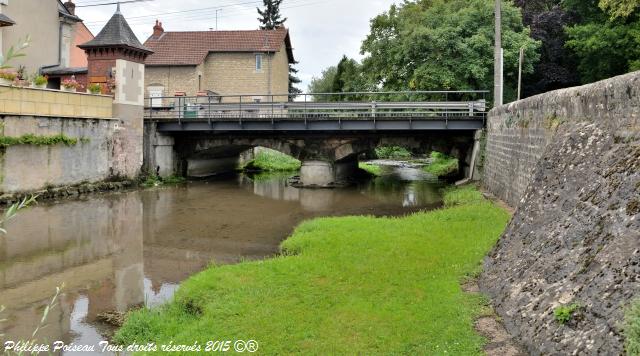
[39, 86]
[70, 90]
[6, 81]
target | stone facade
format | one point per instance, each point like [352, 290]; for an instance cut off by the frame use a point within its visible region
[570, 161]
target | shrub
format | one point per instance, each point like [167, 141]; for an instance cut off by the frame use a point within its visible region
[392, 152]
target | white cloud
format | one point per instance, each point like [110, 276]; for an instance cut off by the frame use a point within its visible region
[321, 30]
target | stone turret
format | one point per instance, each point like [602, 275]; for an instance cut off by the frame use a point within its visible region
[116, 61]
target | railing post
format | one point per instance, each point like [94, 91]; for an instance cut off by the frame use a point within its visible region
[305, 111]
[240, 112]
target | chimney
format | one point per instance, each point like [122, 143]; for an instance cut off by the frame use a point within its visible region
[157, 29]
[71, 7]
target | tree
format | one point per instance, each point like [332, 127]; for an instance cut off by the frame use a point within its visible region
[605, 43]
[557, 67]
[619, 8]
[444, 44]
[324, 83]
[270, 17]
[293, 80]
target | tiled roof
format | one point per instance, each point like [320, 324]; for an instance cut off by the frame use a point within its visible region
[191, 48]
[116, 33]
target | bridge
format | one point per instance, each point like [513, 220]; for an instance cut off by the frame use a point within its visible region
[355, 111]
[199, 135]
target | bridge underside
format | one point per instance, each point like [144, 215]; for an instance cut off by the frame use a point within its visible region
[336, 125]
[328, 155]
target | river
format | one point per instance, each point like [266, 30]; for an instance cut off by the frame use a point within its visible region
[116, 251]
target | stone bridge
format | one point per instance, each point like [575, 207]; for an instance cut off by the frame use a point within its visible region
[201, 136]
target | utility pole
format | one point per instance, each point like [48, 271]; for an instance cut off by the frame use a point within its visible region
[498, 58]
[520, 72]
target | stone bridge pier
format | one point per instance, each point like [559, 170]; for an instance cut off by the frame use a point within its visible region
[328, 160]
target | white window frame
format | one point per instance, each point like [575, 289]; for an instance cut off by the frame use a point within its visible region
[259, 62]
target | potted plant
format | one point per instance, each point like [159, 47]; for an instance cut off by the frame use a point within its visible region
[7, 76]
[40, 81]
[70, 85]
[95, 88]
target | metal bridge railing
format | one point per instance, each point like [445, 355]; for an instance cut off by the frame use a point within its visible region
[416, 105]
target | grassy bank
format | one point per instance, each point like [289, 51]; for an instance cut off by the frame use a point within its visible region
[371, 168]
[442, 165]
[273, 161]
[352, 285]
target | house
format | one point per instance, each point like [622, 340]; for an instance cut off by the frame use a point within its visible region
[53, 28]
[219, 62]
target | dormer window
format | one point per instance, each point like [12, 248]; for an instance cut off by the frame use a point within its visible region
[258, 62]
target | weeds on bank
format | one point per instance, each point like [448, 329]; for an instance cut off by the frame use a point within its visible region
[370, 168]
[155, 181]
[442, 165]
[273, 161]
[632, 329]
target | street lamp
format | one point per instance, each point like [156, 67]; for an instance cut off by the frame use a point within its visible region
[498, 68]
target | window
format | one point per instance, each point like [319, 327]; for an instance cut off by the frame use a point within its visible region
[258, 62]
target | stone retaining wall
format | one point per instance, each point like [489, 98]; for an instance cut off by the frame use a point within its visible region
[518, 133]
[570, 161]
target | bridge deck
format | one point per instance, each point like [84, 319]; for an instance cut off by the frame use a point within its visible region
[237, 113]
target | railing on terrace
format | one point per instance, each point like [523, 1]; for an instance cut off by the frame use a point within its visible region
[413, 105]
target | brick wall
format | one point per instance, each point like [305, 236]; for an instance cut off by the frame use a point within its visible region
[518, 133]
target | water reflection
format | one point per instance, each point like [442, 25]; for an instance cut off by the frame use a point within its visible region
[120, 250]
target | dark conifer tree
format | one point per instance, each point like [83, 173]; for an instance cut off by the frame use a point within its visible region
[270, 19]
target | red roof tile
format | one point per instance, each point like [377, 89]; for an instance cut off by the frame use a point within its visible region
[191, 48]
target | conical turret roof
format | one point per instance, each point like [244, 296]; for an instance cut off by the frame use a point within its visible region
[116, 33]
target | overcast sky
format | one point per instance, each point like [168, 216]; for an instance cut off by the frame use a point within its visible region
[321, 30]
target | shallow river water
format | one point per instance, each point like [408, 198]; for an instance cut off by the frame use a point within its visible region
[121, 250]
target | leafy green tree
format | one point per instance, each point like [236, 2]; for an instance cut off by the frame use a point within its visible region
[445, 44]
[324, 83]
[349, 78]
[270, 17]
[619, 8]
[605, 44]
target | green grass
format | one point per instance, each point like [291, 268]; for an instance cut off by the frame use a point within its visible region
[350, 285]
[273, 161]
[442, 165]
[632, 329]
[371, 168]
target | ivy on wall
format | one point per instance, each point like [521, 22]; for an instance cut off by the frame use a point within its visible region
[31, 139]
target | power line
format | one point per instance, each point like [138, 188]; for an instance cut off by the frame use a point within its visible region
[113, 3]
